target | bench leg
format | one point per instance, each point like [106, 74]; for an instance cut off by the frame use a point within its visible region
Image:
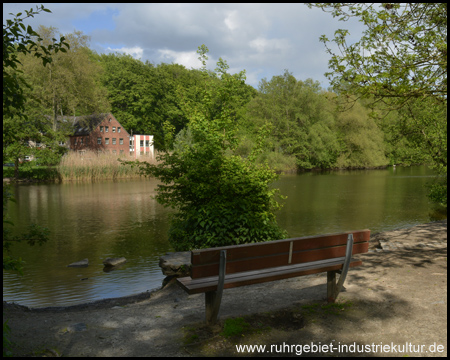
[331, 286]
[334, 288]
[212, 307]
[214, 298]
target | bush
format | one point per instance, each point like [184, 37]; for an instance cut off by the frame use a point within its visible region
[229, 204]
[220, 198]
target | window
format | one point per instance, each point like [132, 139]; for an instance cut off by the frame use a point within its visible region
[147, 143]
[114, 141]
[75, 141]
[120, 141]
[142, 143]
[118, 129]
[114, 151]
[106, 128]
[114, 129]
[101, 128]
[99, 141]
[106, 141]
[121, 151]
[81, 141]
[109, 119]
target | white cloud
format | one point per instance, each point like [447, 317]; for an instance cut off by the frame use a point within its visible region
[264, 39]
[189, 59]
[231, 20]
[135, 51]
[262, 45]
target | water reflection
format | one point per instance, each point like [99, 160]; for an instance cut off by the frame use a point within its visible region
[94, 221]
[115, 219]
[335, 201]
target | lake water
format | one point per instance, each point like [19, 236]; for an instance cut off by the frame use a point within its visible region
[115, 219]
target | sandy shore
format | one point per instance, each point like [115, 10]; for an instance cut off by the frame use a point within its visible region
[398, 297]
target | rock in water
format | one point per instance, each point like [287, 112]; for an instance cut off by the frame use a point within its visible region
[81, 263]
[114, 261]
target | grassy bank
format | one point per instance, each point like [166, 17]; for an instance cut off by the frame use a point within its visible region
[88, 166]
[32, 173]
[92, 166]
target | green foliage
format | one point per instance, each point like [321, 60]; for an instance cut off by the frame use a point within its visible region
[418, 134]
[6, 342]
[361, 141]
[235, 327]
[19, 39]
[438, 191]
[221, 198]
[328, 309]
[402, 53]
[131, 90]
[306, 126]
[67, 85]
[146, 98]
[33, 172]
[399, 62]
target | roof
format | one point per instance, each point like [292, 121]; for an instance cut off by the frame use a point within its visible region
[84, 125]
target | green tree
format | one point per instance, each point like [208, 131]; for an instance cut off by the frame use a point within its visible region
[425, 123]
[361, 140]
[66, 85]
[221, 199]
[301, 118]
[400, 62]
[131, 90]
[69, 85]
[19, 39]
[401, 55]
[173, 79]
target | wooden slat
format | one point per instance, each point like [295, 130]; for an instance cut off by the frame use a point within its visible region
[277, 259]
[195, 286]
[327, 253]
[236, 252]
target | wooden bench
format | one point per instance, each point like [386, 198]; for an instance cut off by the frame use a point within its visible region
[227, 267]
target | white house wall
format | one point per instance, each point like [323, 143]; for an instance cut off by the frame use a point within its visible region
[143, 151]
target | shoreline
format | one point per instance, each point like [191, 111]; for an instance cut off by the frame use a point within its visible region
[375, 245]
[398, 295]
[10, 180]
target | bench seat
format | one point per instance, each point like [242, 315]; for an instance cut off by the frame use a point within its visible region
[207, 284]
[227, 267]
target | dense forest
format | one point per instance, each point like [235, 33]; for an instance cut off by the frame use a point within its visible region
[308, 129]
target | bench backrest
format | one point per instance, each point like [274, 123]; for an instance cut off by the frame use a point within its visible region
[256, 256]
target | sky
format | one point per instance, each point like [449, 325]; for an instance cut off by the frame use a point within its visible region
[264, 39]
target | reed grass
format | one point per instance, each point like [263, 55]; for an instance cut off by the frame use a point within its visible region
[91, 166]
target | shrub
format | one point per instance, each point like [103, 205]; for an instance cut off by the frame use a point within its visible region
[221, 198]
